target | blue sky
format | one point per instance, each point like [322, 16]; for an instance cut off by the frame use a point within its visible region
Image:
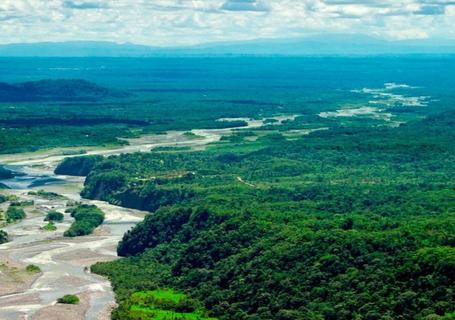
[183, 22]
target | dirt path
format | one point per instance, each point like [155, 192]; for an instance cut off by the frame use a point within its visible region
[239, 179]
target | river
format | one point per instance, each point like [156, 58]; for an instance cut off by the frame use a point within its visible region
[64, 262]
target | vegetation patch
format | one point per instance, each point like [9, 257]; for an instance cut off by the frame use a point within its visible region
[87, 218]
[49, 227]
[31, 268]
[351, 222]
[56, 90]
[54, 216]
[3, 236]
[192, 135]
[165, 305]
[46, 195]
[26, 203]
[14, 213]
[77, 166]
[69, 299]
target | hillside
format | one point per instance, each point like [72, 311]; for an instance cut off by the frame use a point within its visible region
[350, 222]
[56, 90]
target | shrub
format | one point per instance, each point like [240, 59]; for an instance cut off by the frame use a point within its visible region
[46, 195]
[54, 216]
[14, 213]
[3, 236]
[68, 299]
[32, 268]
[49, 227]
[3, 198]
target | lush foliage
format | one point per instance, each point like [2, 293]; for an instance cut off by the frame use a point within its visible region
[68, 299]
[164, 305]
[3, 198]
[3, 236]
[352, 222]
[87, 218]
[50, 226]
[54, 216]
[32, 138]
[55, 90]
[14, 213]
[345, 212]
[32, 268]
[77, 166]
[46, 194]
[190, 93]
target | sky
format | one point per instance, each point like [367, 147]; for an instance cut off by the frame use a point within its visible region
[188, 22]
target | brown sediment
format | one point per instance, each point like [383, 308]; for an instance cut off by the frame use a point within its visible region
[85, 257]
[58, 255]
[61, 311]
[105, 313]
[14, 278]
[101, 231]
[23, 299]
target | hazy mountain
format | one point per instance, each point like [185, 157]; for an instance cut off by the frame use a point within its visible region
[335, 44]
[74, 49]
[329, 44]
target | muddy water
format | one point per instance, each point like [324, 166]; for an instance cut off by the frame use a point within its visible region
[65, 262]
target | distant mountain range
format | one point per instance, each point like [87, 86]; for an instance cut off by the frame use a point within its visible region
[335, 44]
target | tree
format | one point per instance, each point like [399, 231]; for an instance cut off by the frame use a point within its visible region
[14, 213]
[3, 236]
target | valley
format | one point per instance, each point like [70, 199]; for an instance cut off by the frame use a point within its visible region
[243, 188]
[64, 262]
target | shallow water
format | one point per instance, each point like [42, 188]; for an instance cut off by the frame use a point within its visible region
[65, 262]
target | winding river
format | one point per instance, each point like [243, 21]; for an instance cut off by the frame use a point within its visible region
[65, 262]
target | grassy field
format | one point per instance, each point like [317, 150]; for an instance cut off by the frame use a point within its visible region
[164, 305]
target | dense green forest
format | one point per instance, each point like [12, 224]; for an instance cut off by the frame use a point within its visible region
[73, 113]
[77, 166]
[56, 90]
[40, 110]
[345, 212]
[353, 222]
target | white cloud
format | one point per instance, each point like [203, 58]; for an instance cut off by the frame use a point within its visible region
[407, 34]
[176, 22]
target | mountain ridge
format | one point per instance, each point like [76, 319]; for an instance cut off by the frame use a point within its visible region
[334, 44]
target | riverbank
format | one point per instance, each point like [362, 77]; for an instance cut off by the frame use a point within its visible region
[64, 262]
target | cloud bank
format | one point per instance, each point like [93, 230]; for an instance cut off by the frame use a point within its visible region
[183, 22]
